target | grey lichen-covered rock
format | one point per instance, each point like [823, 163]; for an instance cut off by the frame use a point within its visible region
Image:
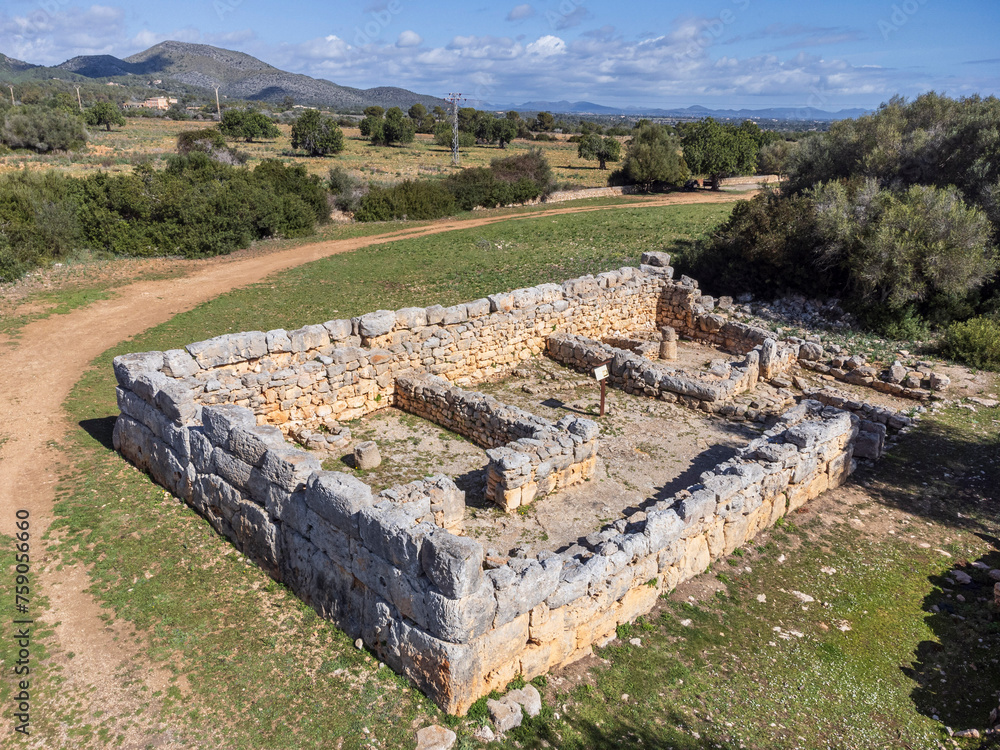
[811, 351]
[662, 528]
[128, 367]
[434, 315]
[411, 317]
[309, 337]
[435, 738]
[250, 444]
[453, 563]
[377, 323]
[218, 420]
[658, 259]
[278, 341]
[939, 381]
[338, 498]
[367, 456]
[230, 348]
[527, 698]
[339, 329]
[177, 363]
[288, 468]
[477, 308]
[506, 715]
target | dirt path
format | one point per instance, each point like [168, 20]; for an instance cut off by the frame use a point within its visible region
[45, 361]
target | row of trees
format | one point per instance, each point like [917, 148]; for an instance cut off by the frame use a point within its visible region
[195, 207]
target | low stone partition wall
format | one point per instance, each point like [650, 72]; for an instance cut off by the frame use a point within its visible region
[529, 457]
[636, 374]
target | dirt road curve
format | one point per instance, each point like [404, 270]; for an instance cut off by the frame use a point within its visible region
[43, 364]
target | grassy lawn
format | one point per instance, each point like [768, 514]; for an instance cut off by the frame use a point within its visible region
[118, 150]
[253, 667]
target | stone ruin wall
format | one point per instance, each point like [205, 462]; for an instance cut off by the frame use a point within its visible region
[392, 568]
[529, 456]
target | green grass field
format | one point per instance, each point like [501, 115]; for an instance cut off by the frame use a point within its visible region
[254, 668]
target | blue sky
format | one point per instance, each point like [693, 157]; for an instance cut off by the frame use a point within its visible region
[717, 53]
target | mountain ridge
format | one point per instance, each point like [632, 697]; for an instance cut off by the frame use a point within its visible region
[237, 76]
[695, 111]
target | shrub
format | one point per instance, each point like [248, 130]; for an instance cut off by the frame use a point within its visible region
[475, 186]
[410, 199]
[248, 125]
[203, 139]
[195, 207]
[347, 191]
[42, 129]
[529, 165]
[317, 135]
[975, 341]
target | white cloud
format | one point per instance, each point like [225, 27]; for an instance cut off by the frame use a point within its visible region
[675, 66]
[547, 46]
[409, 39]
[520, 12]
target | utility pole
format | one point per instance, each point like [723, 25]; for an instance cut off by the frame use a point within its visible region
[218, 107]
[78, 99]
[454, 99]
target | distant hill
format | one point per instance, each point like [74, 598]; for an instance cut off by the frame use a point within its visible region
[10, 65]
[238, 76]
[695, 112]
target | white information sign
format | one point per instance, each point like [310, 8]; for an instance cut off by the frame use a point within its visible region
[601, 373]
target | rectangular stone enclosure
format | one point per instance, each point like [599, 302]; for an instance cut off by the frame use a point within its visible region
[209, 422]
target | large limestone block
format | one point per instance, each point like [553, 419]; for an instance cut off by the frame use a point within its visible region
[453, 563]
[338, 498]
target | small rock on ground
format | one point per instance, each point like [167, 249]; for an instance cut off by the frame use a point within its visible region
[527, 698]
[435, 738]
[484, 734]
[366, 455]
[506, 714]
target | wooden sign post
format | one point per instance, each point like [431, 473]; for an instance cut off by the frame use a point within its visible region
[601, 375]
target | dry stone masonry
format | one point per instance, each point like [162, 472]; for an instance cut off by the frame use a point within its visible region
[529, 456]
[209, 422]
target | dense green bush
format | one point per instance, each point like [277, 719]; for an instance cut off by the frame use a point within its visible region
[42, 129]
[410, 199]
[195, 207]
[975, 341]
[896, 213]
[247, 124]
[316, 134]
[528, 165]
[515, 179]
